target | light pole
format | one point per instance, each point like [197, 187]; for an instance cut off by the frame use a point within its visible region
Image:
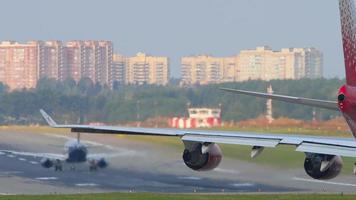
[138, 113]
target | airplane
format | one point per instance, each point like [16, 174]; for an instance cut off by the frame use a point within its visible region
[75, 153]
[323, 154]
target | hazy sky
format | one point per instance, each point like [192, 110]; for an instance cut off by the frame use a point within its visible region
[181, 27]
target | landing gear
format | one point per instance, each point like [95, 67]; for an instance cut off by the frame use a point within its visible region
[58, 165]
[93, 166]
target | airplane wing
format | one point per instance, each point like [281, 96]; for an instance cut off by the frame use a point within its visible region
[331, 105]
[308, 144]
[36, 155]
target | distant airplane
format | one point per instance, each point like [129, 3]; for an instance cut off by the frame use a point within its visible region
[75, 153]
[323, 154]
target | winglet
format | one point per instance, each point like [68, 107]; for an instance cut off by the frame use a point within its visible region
[48, 119]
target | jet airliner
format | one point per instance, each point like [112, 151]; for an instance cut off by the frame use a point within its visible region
[75, 152]
[322, 154]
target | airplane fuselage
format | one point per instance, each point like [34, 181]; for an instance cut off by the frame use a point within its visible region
[76, 152]
[347, 105]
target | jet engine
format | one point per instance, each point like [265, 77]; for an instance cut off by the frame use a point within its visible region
[46, 163]
[202, 157]
[102, 163]
[322, 167]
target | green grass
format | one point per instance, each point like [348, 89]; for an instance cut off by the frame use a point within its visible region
[151, 196]
[290, 130]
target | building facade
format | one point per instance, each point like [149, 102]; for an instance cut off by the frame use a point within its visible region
[19, 64]
[118, 70]
[261, 63]
[206, 69]
[265, 64]
[51, 60]
[143, 69]
[89, 59]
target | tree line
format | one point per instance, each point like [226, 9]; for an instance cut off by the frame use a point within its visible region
[83, 102]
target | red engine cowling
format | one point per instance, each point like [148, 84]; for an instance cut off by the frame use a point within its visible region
[202, 157]
[312, 166]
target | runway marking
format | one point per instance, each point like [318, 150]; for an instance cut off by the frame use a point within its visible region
[22, 159]
[46, 178]
[34, 162]
[242, 184]
[86, 184]
[11, 172]
[189, 178]
[230, 171]
[325, 182]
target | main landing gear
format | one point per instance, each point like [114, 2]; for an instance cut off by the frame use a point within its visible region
[93, 166]
[58, 165]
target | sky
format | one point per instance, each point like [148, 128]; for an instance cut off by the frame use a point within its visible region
[177, 28]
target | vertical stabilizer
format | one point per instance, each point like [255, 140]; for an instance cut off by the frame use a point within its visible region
[347, 13]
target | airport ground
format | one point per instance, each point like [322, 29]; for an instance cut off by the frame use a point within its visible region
[147, 164]
[151, 196]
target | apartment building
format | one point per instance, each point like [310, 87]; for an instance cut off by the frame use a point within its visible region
[51, 60]
[145, 69]
[265, 64]
[19, 64]
[261, 63]
[89, 59]
[205, 69]
[118, 70]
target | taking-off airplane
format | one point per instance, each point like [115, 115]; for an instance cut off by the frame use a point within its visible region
[323, 154]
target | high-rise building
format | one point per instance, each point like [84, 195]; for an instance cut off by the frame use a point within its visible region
[265, 64]
[89, 59]
[261, 63]
[144, 69]
[117, 71]
[103, 62]
[51, 62]
[19, 64]
[206, 69]
[312, 60]
[74, 59]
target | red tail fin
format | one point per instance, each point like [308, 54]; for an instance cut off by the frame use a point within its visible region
[348, 26]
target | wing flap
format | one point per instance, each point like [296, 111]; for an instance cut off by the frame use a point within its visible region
[327, 149]
[233, 140]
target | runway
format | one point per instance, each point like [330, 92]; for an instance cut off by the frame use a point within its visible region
[140, 167]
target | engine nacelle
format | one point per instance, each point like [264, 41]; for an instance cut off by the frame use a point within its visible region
[102, 163]
[313, 166]
[202, 157]
[46, 163]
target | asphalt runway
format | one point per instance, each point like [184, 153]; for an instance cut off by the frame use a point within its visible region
[141, 167]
